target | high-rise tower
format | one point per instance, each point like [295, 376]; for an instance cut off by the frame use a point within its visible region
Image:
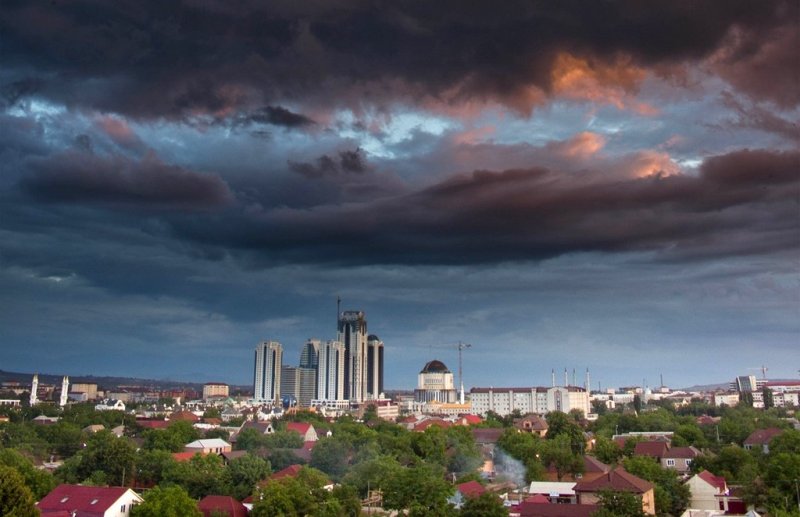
[374, 367]
[330, 371]
[267, 371]
[352, 329]
[309, 354]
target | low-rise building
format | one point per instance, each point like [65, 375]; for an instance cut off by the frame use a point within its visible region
[212, 390]
[208, 446]
[89, 501]
[539, 400]
[617, 480]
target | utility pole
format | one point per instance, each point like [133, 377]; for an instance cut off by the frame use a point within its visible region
[461, 347]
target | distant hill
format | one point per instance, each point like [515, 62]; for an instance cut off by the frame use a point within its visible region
[103, 382]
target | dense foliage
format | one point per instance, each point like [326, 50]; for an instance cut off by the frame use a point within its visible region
[412, 470]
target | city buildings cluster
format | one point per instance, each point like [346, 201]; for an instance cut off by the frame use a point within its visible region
[339, 373]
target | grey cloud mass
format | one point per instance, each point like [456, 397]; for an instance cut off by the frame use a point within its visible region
[562, 184]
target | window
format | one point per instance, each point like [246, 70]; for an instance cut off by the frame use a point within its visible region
[688, 462]
[670, 463]
[122, 508]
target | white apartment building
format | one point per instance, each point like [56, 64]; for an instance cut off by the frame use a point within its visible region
[215, 390]
[540, 400]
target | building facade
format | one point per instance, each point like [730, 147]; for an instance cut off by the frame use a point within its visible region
[267, 371]
[330, 371]
[374, 367]
[435, 383]
[215, 390]
[540, 400]
[300, 383]
[352, 330]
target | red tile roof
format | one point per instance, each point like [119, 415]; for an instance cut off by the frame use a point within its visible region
[617, 479]
[486, 435]
[682, 452]
[528, 509]
[715, 481]
[431, 421]
[651, 449]
[221, 504]
[471, 489]
[290, 471]
[298, 427]
[538, 498]
[762, 436]
[184, 415]
[88, 501]
[185, 456]
[592, 464]
[153, 424]
[472, 419]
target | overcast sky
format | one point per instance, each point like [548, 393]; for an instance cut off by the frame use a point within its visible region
[572, 184]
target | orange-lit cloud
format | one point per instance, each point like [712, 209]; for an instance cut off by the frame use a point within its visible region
[651, 163]
[605, 83]
[581, 146]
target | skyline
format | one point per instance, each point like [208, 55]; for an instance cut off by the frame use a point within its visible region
[613, 186]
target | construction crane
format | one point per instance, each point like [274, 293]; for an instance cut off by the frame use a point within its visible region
[461, 346]
[763, 369]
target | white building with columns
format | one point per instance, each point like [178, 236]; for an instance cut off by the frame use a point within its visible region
[540, 400]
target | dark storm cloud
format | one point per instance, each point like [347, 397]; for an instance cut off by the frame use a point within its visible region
[167, 59]
[740, 203]
[83, 178]
[276, 116]
[347, 162]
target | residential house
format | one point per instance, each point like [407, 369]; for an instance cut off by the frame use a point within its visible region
[89, 501]
[466, 491]
[592, 469]
[221, 506]
[555, 491]
[655, 449]
[533, 424]
[209, 446]
[540, 506]
[304, 429]
[679, 458]
[711, 493]
[618, 480]
[761, 438]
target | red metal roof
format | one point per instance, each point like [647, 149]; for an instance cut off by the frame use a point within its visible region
[715, 481]
[88, 501]
[471, 489]
[682, 452]
[221, 504]
[617, 479]
[530, 509]
[651, 449]
[298, 427]
[762, 436]
[290, 471]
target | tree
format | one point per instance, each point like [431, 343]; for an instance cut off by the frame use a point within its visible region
[171, 501]
[421, 486]
[557, 453]
[371, 473]
[151, 465]
[40, 482]
[619, 504]
[485, 505]
[606, 450]
[331, 456]
[244, 473]
[672, 496]
[200, 476]
[16, 499]
[559, 423]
